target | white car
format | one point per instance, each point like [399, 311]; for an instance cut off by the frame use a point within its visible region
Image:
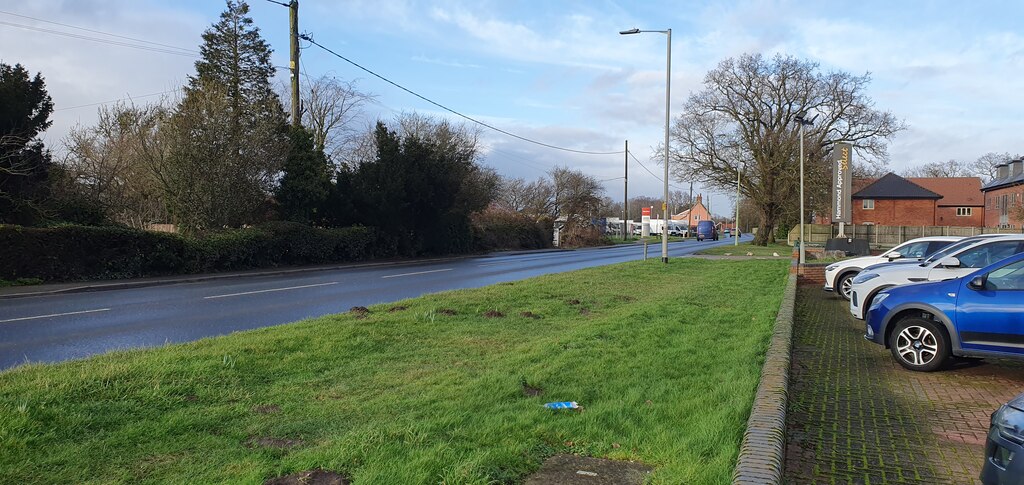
[839, 276]
[956, 260]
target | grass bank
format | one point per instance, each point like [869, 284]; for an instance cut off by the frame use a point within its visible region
[446, 388]
[743, 248]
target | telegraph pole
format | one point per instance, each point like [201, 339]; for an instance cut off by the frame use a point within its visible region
[293, 20]
[626, 231]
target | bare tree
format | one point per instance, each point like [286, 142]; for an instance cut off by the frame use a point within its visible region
[986, 165]
[747, 116]
[577, 195]
[110, 165]
[951, 168]
[331, 110]
[536, 199]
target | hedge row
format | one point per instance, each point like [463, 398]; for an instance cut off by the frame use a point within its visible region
[496, 229]
[84, 253]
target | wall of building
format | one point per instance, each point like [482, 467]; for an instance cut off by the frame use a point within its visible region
[946, 216]
[992, 212]
[896, 212]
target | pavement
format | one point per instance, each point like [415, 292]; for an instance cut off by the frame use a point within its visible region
[856, 416]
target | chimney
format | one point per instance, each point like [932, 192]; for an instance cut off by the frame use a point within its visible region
[698, 199]
[1002, 171]
[1016, 167]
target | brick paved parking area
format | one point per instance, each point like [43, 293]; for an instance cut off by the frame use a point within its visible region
[856, 416]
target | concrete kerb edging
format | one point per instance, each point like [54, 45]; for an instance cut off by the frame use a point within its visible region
[763, 450]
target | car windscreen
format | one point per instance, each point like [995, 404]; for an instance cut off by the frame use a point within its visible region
[946, 251]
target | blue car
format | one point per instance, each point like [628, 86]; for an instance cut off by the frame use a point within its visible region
[978, 315]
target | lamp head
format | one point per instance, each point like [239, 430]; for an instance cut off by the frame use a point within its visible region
[630, 31]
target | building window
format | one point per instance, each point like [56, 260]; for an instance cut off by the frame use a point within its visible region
[963, 211]
[868, 204]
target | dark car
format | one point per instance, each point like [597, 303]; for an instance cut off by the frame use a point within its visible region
[978, 315]
[706, 230]
[1004, 448]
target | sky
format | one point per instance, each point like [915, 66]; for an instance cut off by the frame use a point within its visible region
[558, 72]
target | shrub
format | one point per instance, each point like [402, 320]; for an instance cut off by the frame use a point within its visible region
[81, 252]
[498, 229]
[579, 236]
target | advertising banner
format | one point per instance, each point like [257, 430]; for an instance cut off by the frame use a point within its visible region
[842, 183]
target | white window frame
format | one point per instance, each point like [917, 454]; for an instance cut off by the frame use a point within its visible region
[964, 211]
[868, 204]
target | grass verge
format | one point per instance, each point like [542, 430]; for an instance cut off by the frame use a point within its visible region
[743, 248]
[665, 360]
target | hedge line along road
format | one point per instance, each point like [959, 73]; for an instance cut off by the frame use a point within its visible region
[52, 328]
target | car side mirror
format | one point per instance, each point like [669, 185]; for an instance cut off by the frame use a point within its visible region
[895, 255]
[977, 283]
[950, 262]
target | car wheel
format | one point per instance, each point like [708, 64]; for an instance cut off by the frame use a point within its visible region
[919, 345]
[845, 285]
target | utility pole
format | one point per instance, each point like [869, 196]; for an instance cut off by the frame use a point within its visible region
[693, 204]
[293, 20]
[627, 232]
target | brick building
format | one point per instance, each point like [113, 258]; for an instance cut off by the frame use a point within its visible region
[696, 213]
[1004, 196]
[934, 201]
[962, 203]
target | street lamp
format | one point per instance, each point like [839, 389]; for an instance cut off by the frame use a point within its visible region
[668, 90]
[739, 168]
[801, 118]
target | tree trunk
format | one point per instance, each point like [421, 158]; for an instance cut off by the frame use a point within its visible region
[766, 228]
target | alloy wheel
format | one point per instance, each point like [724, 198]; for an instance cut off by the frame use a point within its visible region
[917, 345]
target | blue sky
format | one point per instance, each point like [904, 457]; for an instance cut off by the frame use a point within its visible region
[559, 72]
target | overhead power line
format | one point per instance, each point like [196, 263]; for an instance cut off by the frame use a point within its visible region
[121, 99]
[652, 173]
[178, 52]
[450, 110]
[100, 32]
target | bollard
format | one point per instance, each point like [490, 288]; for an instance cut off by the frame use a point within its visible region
[645, 250]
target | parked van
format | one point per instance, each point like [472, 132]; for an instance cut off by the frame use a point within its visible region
[706, 230]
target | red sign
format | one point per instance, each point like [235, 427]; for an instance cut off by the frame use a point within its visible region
[646, 211]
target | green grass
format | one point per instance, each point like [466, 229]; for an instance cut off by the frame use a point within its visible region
[665, 360]
[20, 282]
[744, 248]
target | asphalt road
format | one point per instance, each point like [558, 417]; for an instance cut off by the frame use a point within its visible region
[53, 328]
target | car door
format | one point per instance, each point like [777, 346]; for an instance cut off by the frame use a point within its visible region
[976, 258]
[991, 317]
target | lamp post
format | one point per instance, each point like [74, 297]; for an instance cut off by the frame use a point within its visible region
[739, 169]
[668, 91]
[801, 118]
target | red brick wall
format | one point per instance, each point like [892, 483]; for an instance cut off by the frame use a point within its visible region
[946, 216]
[992, 210]
[896, 212]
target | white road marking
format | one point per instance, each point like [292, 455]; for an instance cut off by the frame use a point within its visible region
[418, 272]
[54, 315]
[268, 291]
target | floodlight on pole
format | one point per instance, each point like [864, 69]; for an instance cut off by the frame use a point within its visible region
[668, 97]
[801, 118]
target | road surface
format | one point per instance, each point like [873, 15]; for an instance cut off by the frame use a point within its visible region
[53, 328]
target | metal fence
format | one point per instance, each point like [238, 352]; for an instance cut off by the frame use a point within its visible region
[887, 236]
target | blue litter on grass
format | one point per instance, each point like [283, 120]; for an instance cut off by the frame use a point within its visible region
[562, 405]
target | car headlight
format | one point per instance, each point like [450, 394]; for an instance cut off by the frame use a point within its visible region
[832, 267]
[861, 278]
[879, 298]
[1009, 422]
